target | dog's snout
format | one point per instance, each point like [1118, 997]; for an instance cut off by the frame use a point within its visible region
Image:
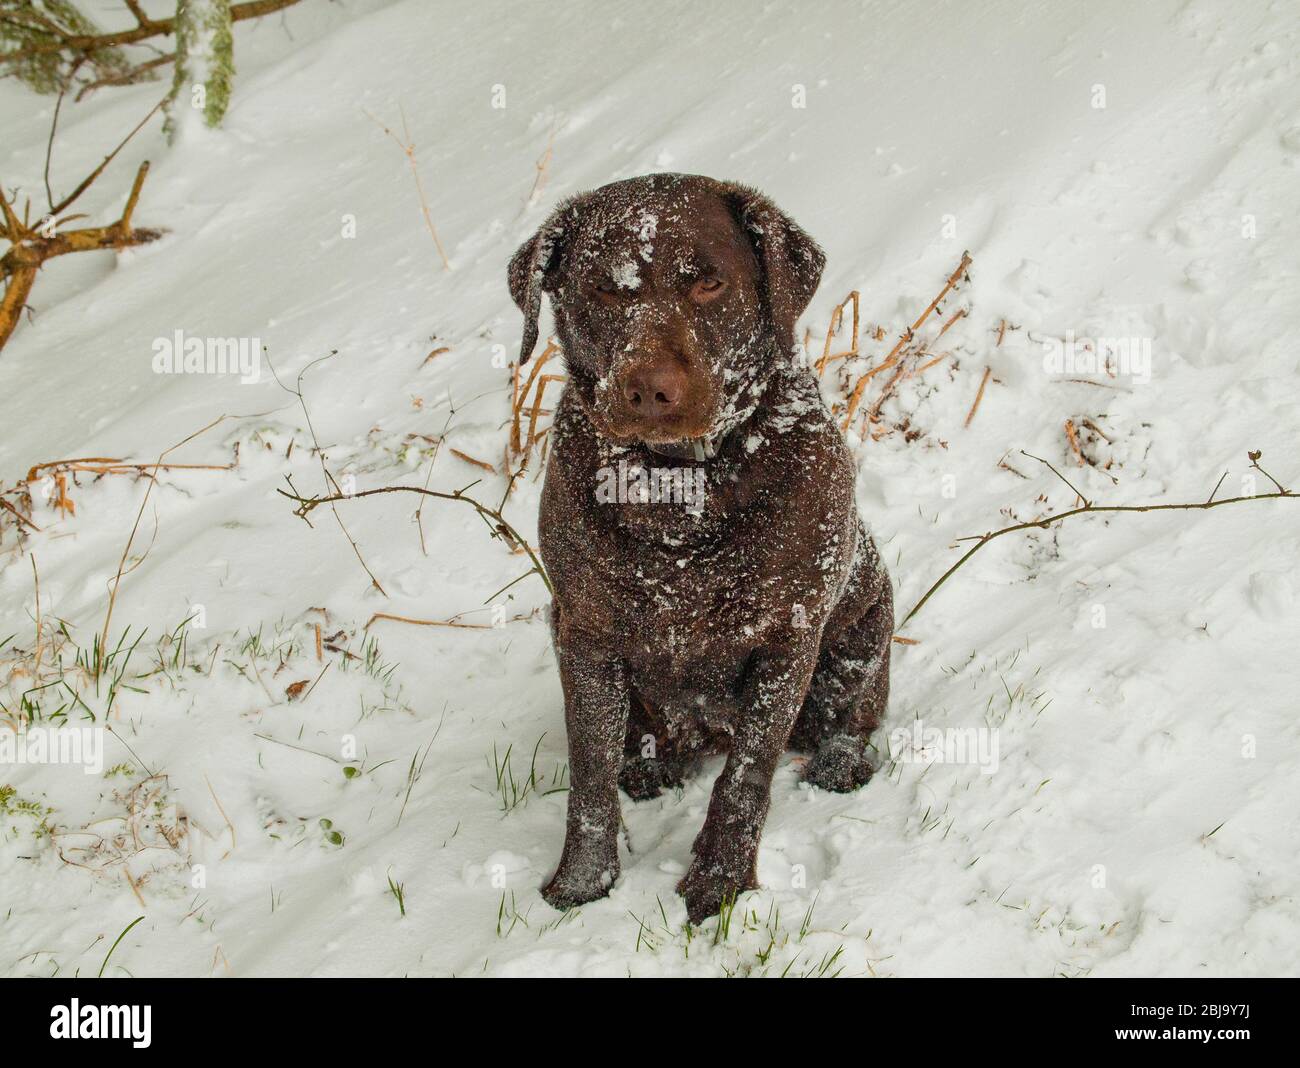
[655, 391]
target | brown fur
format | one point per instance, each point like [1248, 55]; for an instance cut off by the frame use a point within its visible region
[754, 619]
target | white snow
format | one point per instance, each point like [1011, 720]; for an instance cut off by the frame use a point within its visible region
[1144, 815]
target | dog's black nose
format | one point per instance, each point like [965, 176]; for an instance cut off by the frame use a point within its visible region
[655, 391]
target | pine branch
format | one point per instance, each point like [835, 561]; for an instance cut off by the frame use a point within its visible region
[31, 246]
[88, 44]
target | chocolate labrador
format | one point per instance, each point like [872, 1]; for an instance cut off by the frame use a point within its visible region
[714, 587]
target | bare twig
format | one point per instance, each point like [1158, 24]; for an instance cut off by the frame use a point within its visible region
[426, 622]
[428, 475]
[1216, 487]
[543, 164]
[66, 202]
[1072, 436]
[320, 454]
[408, 147]
[979, 396]
[31, 246]
[221, 809]
[855, 396]
[89, 44]
[126, 550]
[496, 521]
[54, 126]
[129, 77]
[1057, 474]
[1086, 509]
[38, 654]
[481, 464]
[833, 327]
[18, 515]
[1254, 456]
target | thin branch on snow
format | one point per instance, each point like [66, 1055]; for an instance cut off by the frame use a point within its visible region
[500, 527]
[408, 148]
[31, 245]
[1088, 508]
[122, 569]
[320, 454]
[84, 45]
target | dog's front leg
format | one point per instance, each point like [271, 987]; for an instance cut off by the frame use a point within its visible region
[595, 716]
[726, 850]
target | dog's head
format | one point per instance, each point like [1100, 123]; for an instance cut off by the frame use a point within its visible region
[675, 298]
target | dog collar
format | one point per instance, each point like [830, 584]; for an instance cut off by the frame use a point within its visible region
[698, 449]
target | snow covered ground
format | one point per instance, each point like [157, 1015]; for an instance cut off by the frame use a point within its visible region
[1118, 172]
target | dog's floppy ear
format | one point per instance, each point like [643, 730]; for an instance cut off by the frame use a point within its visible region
[792, 261]
[532, 271]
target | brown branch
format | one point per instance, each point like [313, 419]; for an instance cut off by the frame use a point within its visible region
[100, 662]
[27, 254]
[496, 521]
[427, 622]
[979, 396]
[855, 396]
[31, 247]
[18, 515]
[408, 148]
[833, 327]
[1086, 509]
[320, 453]
[31, 472]
[543, 164]
[1254, 456]
[66, 202]
[140, 469]
[88, 44]
[130, 77]
[481, 464]
[54, 126]
[17, 288]
[1058, 474]
[141, 18]
[1072, 436]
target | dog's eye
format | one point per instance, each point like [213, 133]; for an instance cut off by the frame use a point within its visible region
[608, 293]
[706, 289]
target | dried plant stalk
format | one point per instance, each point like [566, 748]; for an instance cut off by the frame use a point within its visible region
[895, 354]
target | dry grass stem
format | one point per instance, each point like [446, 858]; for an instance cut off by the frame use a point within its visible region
[979, 396]
[408, 148]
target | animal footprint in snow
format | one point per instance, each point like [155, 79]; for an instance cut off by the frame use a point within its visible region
[1271, 594]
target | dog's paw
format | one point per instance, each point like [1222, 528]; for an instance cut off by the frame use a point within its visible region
[587, 870]
[839, 765]
[643, 778]
[707, 885]
[568, 890]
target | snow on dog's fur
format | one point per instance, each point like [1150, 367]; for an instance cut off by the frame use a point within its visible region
[761, 617]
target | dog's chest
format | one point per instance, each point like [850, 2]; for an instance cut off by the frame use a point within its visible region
[688, 619]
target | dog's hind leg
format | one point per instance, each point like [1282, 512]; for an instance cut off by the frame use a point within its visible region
[651, 761]
[847, 698]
